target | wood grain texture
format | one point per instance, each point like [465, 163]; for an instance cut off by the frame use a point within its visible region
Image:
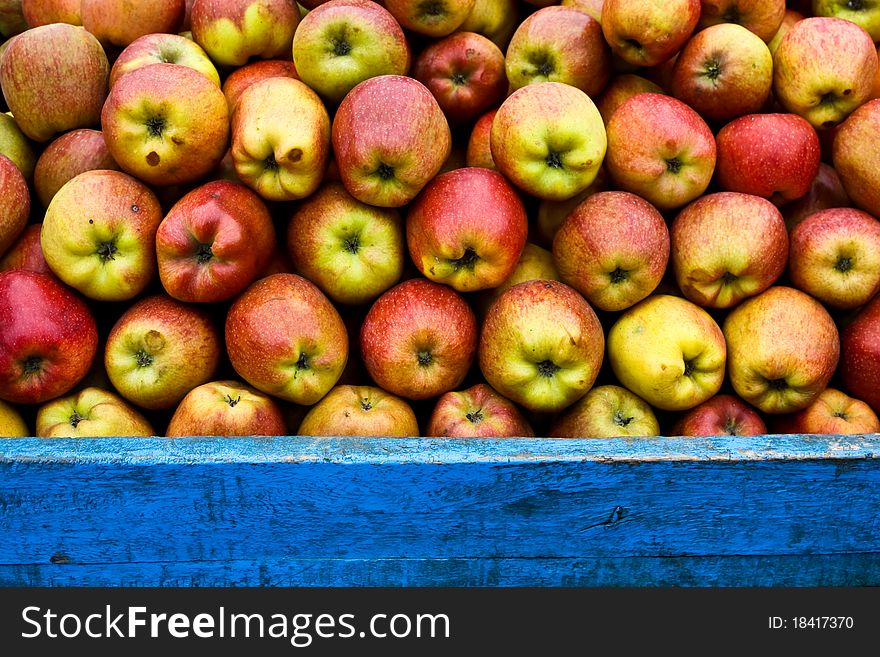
[759, 511]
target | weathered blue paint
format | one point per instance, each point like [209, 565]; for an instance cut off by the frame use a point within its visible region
[763, 511]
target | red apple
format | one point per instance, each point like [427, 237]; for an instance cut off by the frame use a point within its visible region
[226, 408]
[551, 214]
[48, 341]
[860, 346]
[285, 338]
[613, 249]
[167, 124]
[351, 250]
[783, 348]
[660, 149]
[214, 242]
[855, 152]
[163, 48]
[467, 229]
[535, 263]
[478, 412]
[26, 253]
[119, 22]
[68, 156]
[243, 77]
[418, 339]
[727, 247]
[465, 72]
[541, 345]
[835, 257]
[344, 42]
[360, 411]
[645, 33]
[775, 156]
[390, 138]
[722, 415]
[45, 12]
[833, 412]
[620, 89]
[607, 411]
[60, 62]
[763, 17]
[15, 203]
[479, 147]
[433, 19]
[559, 44]
[99, 235]
[826, 191]
[233, 31]
[723, 72]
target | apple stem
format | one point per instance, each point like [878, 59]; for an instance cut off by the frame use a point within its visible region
[232, 402]
[352, 244]
[76, 418]
[476, 417]
[106, 250]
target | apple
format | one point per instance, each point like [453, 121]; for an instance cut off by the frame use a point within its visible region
[66, 157]
[535, 263]
[495, 19]
[790, 18]
[559, 44]
[349, 410]
[549, 140]
[668, 351]
[162, 48]
[823, 69]
[26, 252]
[243, 77]
[45, 12]
[479, 147]
[15, 203]
[226, 408]
[541, 345]
[762, 17]
[775, 156]
[722, 415]
[783, 348]
[826, 191]
[351, 250]
[551, 214]
[465, 72]
[280, 139]
[647, 33]
[613, 249]
[285, 338]
[855, 152]
[591, 7]
[390, 138]
[860, 347]
[167, 124]
[835, 257]
[17, 147]
[99, 235]
[48, 341]
[343, 42]
[233, 31]
[214, 242]
[723, 72]
[90, 413]
[12, 20]
[832, 412]
[865, 14]
[726, 247]
[467, 228]
[61, 62]
[434, 18]
[620, 89]
[418, 339]
[477, 412]
[660, 149]
[607, 411]
[119, 22]
[12, 425]
[159, 349]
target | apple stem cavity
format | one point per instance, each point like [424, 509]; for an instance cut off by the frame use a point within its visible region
[728, 278]
[232, 402]
[730, 427]
[553, 160]
[204, 253]
[425, 358]
[855, 5]
[467, 262]
[76, 418]
[673, 165]
[271, 163]
[32, 365]
[155, 126]
[841, 414]
[547, 368]
[106, 251]
[475, 417]
[621, 420]
[843, 264]
[341, 47]
[366, 405]
[352, 244]
[689, 367]
[143, 358]
[432, 8]
[302, 363]
[777, 384]
[385, 172]
[618, 275]
[713, 69]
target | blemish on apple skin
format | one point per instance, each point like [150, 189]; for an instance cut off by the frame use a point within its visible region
[153, 158]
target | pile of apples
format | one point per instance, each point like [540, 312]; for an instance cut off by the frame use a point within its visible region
[468, 218]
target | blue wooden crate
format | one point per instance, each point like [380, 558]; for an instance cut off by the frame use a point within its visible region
[762, 511]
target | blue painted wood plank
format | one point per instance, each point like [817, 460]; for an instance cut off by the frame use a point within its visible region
[301, 511]
[721, 571]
